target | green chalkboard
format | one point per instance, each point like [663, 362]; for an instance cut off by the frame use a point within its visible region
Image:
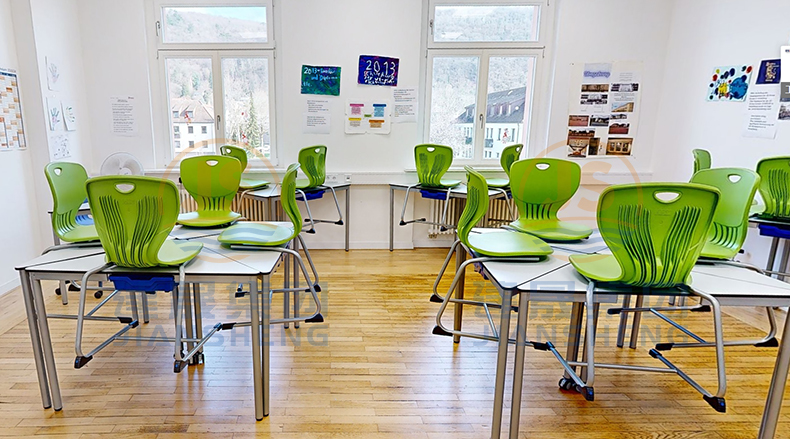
[320, 80]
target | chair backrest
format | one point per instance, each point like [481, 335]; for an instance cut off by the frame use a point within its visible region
[212, 180]
[656, 238]
[701, 159]
[541, 186]
[313, 162]
[509, 156]
[476, 203]
[731, 221]
[234, 151]
[133, 216]
[288, 197]
[67, 184]
[432, 161]
[775, 186]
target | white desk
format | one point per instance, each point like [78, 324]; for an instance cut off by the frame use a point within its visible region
[212, 265]
[555, 280]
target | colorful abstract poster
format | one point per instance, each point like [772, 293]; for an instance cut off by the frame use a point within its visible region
[12, 132]
[730, 83]
[378, 70]
[770, 71]
[320, 80]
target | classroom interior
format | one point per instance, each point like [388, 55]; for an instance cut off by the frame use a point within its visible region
[312, 219]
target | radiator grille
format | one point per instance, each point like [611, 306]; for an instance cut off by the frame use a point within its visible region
[252, 210]
[498, 214]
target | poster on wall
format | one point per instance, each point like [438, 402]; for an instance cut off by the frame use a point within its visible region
[54, 73]
[54, 114]
[320, 80]
[603, 112]
[761, 114]
[316, 116]
[730, 83]
[69, 116]
[124, 122]
[770, 71]
[378, 70]
[59, 147]
[404, 105]
[363, 116]
[12, 131]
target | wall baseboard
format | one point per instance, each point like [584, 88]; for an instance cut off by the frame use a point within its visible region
[9, 286]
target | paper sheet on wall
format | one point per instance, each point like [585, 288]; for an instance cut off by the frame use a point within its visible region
[368, 117]
[316, 118]
[12, 131]
[761, 114]
[124, 122]
[404, 105]
[603, 110]
[59, 147]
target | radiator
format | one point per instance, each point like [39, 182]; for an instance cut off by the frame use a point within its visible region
[497, 215]
[251, 209]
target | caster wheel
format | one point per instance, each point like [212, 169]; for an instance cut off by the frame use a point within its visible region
[57, 291]
[98, 294]
[566, 384]
[73, 287]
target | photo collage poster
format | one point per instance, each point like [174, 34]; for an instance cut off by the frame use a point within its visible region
[603, 112]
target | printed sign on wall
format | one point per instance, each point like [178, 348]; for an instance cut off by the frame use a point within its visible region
[378, 70]
[320, 80]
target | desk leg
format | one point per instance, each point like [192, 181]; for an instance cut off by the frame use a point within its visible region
[266, 344]
[518, 367]
[46, 344]
[785, 258]
[35, 338]
[255, 327]
[772, 254]
[776, 392]
[287, 285]
[348, 212]
[392, 213]
[458, 315]
[198, 319]
[501, 364]
[296, 282]
[190, 327]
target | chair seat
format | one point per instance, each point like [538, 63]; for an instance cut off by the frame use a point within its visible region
[602, 268]
[175, 252]
[502, 243]
[207, 219]
[304, 183]
[552, 230]
[80, 234]
[443, 184]
[269, 234]
[251, 183]
[498, 182]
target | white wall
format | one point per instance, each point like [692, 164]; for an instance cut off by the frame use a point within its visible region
[703, 36]
[19, 234]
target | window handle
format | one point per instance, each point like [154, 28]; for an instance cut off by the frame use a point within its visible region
[218, 122]
[481, 120]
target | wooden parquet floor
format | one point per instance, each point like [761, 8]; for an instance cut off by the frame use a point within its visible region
[372, 370]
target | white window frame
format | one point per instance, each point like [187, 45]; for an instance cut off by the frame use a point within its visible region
[161, 51]
[536, 124]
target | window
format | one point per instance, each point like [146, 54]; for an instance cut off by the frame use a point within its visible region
[483, 65]
[215, 71]
[176, 129]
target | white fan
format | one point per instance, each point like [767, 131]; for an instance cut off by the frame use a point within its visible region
[122, 163]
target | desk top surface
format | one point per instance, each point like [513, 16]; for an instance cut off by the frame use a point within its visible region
[274, 190]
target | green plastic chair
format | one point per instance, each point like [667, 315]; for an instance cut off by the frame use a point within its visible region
[775, 186]
[484, 245]
[509, 156]
[656, 232]
[432, 163]
[134, 216]
[276, 236]
[313, 162]
[731, 222]
[540, 187]
[701, 159]
[212, 180]
[240, 154]
[67, 184]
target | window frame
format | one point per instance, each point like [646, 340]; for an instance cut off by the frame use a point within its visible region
[536, 126]
[164, 149]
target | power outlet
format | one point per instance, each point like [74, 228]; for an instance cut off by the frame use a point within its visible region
[348, 178]
[332, 178]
